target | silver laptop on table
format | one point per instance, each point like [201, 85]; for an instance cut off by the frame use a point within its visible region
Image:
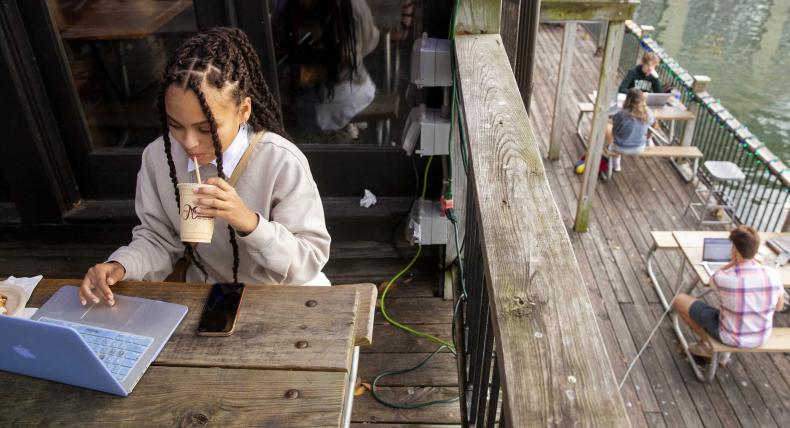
[716, 252]
[657, 99]
[101, 347]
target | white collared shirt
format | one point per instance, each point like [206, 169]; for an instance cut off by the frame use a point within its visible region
[232, 155]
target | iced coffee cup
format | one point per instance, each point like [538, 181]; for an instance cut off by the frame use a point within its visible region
[194, 227]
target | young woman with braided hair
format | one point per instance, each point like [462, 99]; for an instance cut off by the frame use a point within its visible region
[214, 104]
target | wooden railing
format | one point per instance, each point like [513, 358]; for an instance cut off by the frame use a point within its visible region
[762, 199]
[530, 351]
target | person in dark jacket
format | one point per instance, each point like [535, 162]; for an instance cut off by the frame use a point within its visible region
[643, 76]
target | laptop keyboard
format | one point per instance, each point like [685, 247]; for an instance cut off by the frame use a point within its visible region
[118, 351]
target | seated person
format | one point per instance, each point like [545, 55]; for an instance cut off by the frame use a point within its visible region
[213, 101]
[627, 134]
[328, 74]
[749, 293]
[643, 76]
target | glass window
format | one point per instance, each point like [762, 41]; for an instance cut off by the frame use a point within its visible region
[343, 68]
[117, 50]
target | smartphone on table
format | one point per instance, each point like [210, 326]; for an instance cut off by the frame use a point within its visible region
[221, 310]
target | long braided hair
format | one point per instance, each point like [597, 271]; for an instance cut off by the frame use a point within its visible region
[336, 51]
[224, 59]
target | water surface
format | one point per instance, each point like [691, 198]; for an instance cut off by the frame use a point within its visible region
[743, 46]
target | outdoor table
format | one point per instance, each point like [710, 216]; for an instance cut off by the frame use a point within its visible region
[108, 19]
[690, 244]
[674, 111]
[290, 361]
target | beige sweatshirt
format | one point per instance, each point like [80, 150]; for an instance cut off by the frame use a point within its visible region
[289, 246]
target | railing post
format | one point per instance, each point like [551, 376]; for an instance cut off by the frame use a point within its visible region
[645, 32]
[606, 88]
[561, 93]
[700, 84]
[699, 88]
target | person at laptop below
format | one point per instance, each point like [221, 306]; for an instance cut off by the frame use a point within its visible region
[213, 105]
[749, 292]
[643, 76]
[627, 134]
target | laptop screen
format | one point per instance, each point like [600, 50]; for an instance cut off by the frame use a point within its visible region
[716, 250]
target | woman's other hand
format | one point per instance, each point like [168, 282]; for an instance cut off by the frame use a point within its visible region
[100, 277]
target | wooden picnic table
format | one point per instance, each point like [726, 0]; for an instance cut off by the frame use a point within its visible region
[690, 244]
[111, 19]
[288, 363]
[673, 111]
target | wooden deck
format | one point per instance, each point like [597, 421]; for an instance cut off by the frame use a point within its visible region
[754, 390]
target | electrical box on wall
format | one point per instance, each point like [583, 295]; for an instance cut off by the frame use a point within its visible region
[429, 127]
[427, 224]
[430, 62]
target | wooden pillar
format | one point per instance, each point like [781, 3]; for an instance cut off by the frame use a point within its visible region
[479, 17]
[601, 39]
[606, 89]
[561, 94]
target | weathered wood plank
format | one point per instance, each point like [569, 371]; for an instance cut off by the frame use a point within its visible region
[478, 17]
[389, 339]
[363, 325]
[367, 409]
[417, 310]
[587, 10]
[534, 283]
[440, 371]
[265, 335]
[217, 400]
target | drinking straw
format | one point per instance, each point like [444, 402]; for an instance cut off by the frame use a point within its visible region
[197, 169]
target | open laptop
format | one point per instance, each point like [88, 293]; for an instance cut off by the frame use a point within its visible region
[657, 99]
[101, 347]
[716, 252]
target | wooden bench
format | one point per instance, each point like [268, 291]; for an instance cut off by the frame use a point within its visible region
[670, 152]
[584, 108]
[778, 342]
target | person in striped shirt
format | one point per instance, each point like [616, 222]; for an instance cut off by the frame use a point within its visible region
[749, 293]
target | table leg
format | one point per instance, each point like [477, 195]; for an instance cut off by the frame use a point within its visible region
[710, 372]
[352, 385]
[653, 280]
[582, 138]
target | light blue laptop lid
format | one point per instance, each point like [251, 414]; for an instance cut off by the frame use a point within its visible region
[54, 353]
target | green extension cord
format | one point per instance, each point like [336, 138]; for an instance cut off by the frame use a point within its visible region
[444, 344]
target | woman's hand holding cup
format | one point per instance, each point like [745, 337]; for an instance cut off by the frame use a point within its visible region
[224, 202]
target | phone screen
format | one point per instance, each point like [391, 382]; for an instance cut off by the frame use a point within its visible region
[222, 307]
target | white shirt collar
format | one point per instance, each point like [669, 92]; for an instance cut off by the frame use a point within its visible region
[232, 155]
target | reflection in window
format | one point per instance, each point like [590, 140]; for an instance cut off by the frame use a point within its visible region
[338, 65]
[116, 50]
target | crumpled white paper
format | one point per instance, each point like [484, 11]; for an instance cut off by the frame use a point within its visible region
[27, 284]
[368, 199]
